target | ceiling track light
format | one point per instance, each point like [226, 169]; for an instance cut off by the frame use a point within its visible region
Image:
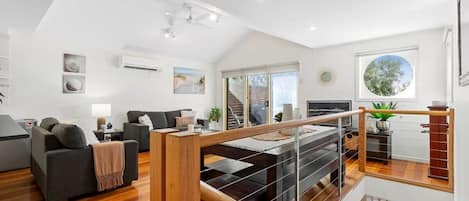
[168, 33]
[214, 17]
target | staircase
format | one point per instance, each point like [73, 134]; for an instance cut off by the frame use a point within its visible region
[235, 112]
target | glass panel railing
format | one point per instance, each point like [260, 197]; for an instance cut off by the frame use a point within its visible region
[254, 168]
[305, 163]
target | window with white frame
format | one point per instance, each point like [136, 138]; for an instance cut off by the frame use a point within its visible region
[387, 75]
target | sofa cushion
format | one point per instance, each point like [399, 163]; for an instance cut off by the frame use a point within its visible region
[158, 119]
[182, 122]
[133, 116]
[49, 123]
[70, 136]
[171, 117]
[145, 120]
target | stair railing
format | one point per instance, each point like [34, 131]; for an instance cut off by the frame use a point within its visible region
[176, 159]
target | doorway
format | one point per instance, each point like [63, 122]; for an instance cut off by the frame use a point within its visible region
[254, 97]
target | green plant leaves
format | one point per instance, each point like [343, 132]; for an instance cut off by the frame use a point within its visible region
[383, 106]
[215, 114]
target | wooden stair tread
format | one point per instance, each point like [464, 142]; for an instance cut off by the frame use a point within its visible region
[238, 190]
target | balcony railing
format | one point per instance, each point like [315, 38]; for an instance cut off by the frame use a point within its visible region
[273, 170]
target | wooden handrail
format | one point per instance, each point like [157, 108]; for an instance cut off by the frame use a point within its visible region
[208, 193]
[409, 112]
[230, 135]
[362, 145]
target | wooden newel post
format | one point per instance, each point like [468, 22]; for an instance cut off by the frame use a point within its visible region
[174, 166]
[182, 167]
[362, 139]
[157, 166]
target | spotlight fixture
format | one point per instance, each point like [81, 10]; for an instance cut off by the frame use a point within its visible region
[313, 28]
[214, 17]
[168, 33]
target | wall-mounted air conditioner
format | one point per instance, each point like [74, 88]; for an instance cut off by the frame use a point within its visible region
[138, 63]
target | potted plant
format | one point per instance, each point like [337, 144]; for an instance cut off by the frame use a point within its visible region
[214, 117]
[278, 117]
[382, 122]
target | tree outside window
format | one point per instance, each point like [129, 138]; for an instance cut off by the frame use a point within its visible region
[387, 76]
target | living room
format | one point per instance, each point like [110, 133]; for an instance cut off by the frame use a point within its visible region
[311, 54]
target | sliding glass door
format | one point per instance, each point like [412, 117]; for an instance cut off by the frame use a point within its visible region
[284, 88]
[254, 98]
[235, 98]
[258, 110]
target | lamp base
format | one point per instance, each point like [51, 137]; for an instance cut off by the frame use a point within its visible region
[101, 121]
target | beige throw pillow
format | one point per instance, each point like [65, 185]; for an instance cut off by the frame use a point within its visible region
[184, 121]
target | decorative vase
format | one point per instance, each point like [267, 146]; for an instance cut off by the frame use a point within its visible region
[287, 116]
[287, 112]
[383, 126]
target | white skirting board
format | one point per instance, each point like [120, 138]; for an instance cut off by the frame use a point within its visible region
[395, 191]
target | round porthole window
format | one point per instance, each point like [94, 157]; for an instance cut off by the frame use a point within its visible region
[388, 75]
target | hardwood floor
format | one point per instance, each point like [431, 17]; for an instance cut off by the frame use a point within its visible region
[19, 185]
[325, 191]
[402, 171]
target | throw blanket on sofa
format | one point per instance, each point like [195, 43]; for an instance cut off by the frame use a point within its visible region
[109, 164]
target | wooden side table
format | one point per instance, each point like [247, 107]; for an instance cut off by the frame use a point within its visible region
[116, 134]
[379, 146]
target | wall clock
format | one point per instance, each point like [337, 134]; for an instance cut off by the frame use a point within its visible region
[326, 76]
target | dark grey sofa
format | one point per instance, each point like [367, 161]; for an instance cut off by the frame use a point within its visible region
[135, 131]
[62, 173]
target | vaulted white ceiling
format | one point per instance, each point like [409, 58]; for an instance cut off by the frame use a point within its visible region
[137, 25]
[21, 15]
[339, 21]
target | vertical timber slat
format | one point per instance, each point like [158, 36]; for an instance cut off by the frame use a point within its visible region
[157, 167]
[451, 149]
[182, 167]
[362, 139]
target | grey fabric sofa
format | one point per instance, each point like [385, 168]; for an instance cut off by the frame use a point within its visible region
[63, 173]
[135, 131]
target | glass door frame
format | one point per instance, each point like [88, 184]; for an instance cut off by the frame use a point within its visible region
[268, 72]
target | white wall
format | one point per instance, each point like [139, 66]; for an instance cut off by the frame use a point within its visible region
[394, 191]
[36, 91]
[461, 105]
[260, 49]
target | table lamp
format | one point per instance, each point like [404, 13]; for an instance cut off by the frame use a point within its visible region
[101, 111]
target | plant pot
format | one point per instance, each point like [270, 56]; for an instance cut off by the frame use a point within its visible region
[383, 125]
[213, 125]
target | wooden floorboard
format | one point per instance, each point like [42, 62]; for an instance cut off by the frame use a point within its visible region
[325, 191]
[19, 185]
[410, 172]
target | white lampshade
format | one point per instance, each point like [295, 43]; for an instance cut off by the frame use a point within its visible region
[101, 110]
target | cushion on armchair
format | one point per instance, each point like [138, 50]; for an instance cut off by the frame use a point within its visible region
[133, 116]
[49, 123]
[70, 136]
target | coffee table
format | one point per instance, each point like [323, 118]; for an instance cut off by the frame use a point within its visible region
[116, 134]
